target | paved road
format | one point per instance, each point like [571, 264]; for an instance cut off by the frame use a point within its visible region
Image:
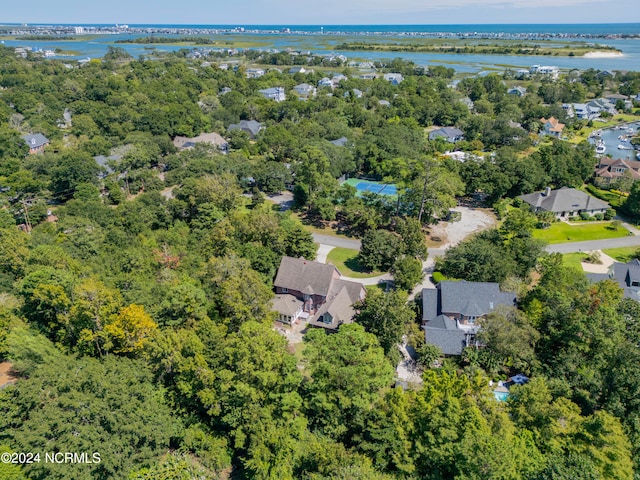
[342, 242]
[354, 244]
[630, 241]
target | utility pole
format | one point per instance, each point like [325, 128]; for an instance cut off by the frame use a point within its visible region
[26, 215]
[423, 199]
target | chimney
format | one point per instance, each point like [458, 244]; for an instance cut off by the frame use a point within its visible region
[547, 191]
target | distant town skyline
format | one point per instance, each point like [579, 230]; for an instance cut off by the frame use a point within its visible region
[329, 12]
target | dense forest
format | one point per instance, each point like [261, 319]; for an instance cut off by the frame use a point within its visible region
[135, 297]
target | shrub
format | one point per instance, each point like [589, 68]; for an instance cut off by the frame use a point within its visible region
[585, 216]
[438, 277]
[609, 214]
[599, 216]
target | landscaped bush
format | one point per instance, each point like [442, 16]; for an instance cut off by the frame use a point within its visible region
[609, 214]
[438, 277]
[599, 216]
[585, 216]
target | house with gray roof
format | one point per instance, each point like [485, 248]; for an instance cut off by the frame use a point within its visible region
[251, 127]
[518, 91]
[214, 139]
[393, 78]
[36, 142]
[449, 134]
[627, 275]
[304, 90]
[314, 291]
[274, 93]
[105, 162]
[564, 202]
[340, 142]
[452, 311]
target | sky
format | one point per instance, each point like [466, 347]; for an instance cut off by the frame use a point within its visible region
[324, 12]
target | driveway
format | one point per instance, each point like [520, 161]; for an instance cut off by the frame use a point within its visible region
[332, 241]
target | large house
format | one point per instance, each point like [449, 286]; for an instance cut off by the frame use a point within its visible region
[564, 202]
[608, 170]
[314, 291]
[213, 138]
[627, 275]
[36, 142]
[551, 126]
[452, 311]
[251, 127]
[274, 93]
[304, 90]
[450, 134]
[393, 78]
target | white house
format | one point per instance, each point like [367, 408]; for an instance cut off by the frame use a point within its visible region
[274, 93]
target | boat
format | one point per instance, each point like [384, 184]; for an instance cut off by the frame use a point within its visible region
[623, 138]
[601, 148]
[623, 147]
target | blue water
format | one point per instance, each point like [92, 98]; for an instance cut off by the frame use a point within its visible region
[574, 29]
[97, 46]
[501, 396]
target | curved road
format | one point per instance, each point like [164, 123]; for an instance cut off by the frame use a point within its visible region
[630, 241]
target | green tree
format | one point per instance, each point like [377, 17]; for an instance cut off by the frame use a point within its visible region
[407, 272]
[379, 249]
[347, 370]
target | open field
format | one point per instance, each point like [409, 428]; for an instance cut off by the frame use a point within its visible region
[347, 262]
[561, 232]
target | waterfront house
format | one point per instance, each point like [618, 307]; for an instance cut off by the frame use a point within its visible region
[626, 275]
[449, 134]
[552, 127]
[564, 202]
[314, 291]
[36, 142]
[451, 312]
[608, 170]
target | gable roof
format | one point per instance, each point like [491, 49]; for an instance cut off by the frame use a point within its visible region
[286, 304]
[552, 124]
[472, 298]
[305, 275]
[212, 138]
[252, 127]
[35, 140]
[469, 299]
[448, 132]
[564, 200]
[607, 168]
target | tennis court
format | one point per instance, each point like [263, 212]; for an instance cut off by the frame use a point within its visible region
[373, 187]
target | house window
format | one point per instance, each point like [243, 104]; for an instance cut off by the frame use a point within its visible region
[471, 320]
[635, 284]
[285, 290]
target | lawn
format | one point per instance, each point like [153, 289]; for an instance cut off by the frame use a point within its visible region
[573, 260]
[347, 262]
[622, 254]
[561, 232]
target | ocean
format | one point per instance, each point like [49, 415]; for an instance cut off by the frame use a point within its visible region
[314, 38]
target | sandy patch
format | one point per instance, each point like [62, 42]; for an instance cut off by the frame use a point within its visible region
[473, 220]
[603, 54]
[6, 377]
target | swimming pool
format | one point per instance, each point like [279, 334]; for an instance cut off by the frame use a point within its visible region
[501, 396]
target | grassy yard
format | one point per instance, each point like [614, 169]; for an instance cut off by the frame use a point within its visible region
[347, 262]
[622, 254]
[561, 232]
[573, 260]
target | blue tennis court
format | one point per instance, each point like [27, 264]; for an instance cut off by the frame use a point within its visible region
[373, 187]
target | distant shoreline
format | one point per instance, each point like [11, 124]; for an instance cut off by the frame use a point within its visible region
[603, 54]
